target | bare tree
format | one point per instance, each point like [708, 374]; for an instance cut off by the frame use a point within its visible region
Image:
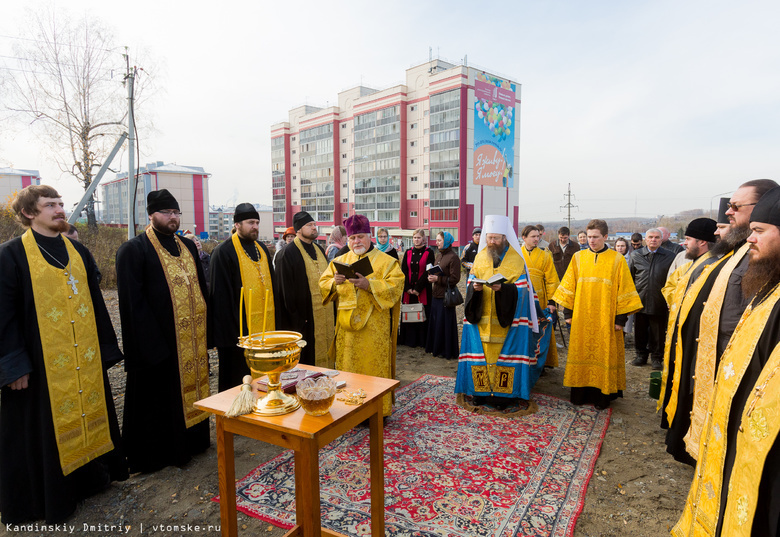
[69, 90]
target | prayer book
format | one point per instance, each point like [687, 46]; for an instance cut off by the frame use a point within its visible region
[433, 270]
[289, 379]
[362, 266]
[496, 278]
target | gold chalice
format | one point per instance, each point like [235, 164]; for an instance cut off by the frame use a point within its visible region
[273, 353]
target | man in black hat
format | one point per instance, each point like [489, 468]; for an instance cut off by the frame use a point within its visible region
[738, 474]
[470, 251]
[242, 262]
[723, 219]
[162, 303]
[299, 299]
[685, 293]
[722, 302]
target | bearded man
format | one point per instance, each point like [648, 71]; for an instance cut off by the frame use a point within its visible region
[162, 303]
[239, 265]
[545, 281]
[734, 490]
[368, 307]
[498, 357]
[725, 301]
[686, 299]
[59, 435]
[299, 301]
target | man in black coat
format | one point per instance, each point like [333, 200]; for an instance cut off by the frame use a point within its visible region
[227, 282]
[162, 303]
[470, 251]
[649, 267]
[59, 435]
[298, 297]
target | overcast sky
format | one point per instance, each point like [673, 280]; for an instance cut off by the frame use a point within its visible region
[645, 107]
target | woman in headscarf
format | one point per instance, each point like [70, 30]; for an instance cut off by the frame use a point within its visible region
[624, 248]
[443, 324]
[417, 289]
[384, 244]
[335, 242]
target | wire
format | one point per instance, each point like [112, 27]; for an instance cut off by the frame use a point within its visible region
[49, 42]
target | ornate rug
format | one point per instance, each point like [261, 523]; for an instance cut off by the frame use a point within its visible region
[448, 472]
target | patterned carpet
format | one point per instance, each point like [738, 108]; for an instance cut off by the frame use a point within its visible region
[447, 471]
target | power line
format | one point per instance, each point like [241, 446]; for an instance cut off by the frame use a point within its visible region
[59, 44]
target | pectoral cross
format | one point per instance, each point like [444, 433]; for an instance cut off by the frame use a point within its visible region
[72, 282]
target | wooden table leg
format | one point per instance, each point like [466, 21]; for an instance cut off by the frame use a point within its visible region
[307, 489]
[227, 480]
[377, 461]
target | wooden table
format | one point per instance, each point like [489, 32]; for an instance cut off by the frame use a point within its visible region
[305, 435]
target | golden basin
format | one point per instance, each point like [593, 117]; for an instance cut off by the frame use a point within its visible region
[273, 353]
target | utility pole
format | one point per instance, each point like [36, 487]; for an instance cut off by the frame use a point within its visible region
[131, 186]
[568, 206]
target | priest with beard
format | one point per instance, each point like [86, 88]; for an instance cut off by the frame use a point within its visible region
[499, 359]
[59, 435]
[737, 477]
[367, 306]
[162, 304]
[300, 308]
[240, 265]
[724, 302]
[685, 303]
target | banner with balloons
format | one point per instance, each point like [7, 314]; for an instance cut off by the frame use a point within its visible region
[494, 131]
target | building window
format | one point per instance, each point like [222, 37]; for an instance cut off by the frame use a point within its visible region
[343, 125]
[343, 155]
[425, 220]
[294, 164]
[343, 140]
[410, 162]
[344, 200]
[414, 178]
[295, 203]
[425, 113]
[293, 151]
[425, 204]
[413, 196]
[413, 214]
[293, 138]
[413, 108]
[345, 215]
[295, 177]
[413, 126]
[412, 143]
[295, 190]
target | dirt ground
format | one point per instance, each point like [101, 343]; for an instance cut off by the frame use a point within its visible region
[637, 488]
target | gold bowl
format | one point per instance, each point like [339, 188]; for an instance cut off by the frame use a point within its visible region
[273, 353]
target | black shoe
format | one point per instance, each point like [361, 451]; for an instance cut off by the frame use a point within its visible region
[658, 364]
[639, 360]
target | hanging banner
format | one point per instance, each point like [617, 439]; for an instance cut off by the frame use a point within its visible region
[494, 131]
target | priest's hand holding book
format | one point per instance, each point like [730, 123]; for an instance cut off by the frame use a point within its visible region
[494, 282]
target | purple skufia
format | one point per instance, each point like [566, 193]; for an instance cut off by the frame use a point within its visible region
[357, 223]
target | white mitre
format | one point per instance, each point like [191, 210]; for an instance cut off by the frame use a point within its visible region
[500, 224]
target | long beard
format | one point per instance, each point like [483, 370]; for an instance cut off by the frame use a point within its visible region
[727, 242]
[762, 275]
[495, 251]
[60, 225]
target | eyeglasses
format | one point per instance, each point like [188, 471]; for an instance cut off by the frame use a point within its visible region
[169, 214]
[735, 207]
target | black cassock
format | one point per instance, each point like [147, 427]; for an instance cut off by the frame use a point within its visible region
[675, 436]
[224, 299]
[293, 296]
[32, 486]
[154, 430]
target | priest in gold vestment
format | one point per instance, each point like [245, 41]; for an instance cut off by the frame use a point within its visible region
[737, 478]
[597, 294]
[545, 280]
[367, 306]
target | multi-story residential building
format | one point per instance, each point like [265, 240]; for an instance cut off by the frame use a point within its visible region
[437, 152]
[188, 184]
[221, 222]
[12, 180]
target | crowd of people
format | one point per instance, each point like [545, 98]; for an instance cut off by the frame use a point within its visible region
[704, 313]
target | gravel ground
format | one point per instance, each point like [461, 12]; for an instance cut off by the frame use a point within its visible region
[637, 488]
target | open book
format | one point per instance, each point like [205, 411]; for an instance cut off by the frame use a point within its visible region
[433, 270]
[496, 278]
[362, 265]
